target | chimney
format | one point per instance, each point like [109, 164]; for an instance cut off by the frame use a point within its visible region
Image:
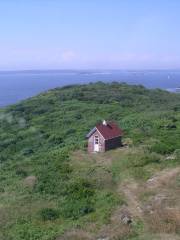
[104, 123]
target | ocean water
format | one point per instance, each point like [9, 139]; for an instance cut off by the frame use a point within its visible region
[16, 86]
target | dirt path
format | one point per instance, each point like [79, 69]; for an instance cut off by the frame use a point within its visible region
[130, 192]
[162, 178]
[131, 189]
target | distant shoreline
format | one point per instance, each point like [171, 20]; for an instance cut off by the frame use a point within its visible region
[85, 70]
[20, 85]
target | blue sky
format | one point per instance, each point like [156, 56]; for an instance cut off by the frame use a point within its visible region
[76, 34]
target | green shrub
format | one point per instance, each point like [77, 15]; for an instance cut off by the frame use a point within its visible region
[55, 139]
[49, 214]
[27, 151]
[55, 172]
[21, 172]
[141, 159]
[162, 148]
[75, 209]
[78, 199]
[79, 189]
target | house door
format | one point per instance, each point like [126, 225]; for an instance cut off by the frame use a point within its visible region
[96, 144]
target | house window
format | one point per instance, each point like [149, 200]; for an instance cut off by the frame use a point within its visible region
[96, 140]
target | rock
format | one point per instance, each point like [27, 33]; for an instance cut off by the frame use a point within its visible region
[125, 217]
[170, 157]
[151, 180]
[30, 181]
[139, 209]
[126, 220]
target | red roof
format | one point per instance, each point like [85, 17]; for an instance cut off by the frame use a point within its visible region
[110, 130]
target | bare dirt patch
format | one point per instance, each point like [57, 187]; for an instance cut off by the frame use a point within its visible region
[76, 235]
[114, 231]
[167, 237]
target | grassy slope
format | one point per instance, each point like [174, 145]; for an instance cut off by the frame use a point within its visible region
[40, 137]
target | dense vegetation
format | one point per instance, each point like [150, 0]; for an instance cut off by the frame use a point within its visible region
[45, 186]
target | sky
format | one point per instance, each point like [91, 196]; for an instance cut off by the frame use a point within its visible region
[89, 34]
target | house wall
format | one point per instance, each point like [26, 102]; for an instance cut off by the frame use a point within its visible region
[113, 143]
[91, 142]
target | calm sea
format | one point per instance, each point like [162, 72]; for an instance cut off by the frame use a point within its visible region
[16, 86]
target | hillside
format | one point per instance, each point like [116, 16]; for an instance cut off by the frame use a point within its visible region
[51, 189]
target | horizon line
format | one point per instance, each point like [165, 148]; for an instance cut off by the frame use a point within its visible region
[89, 69]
